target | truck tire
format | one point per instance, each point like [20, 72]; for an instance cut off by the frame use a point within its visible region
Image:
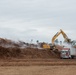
[72, 57]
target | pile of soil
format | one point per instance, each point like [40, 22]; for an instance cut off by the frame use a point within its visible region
[27, 53]
[11, 49]
[38, 53]
[59, 47]
[9, 52]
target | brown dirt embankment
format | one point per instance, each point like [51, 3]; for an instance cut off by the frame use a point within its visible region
[27, 53]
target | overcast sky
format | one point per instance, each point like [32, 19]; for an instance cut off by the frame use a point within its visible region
[37, 19]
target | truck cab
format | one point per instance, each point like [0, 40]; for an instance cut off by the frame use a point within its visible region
[65, 53]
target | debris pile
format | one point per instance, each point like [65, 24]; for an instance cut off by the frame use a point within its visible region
[9, 43]
[37, 53]
[27, 53]
[9, 52]
[11, 49]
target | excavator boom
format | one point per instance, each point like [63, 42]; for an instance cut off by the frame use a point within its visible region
[64, 36]
[55, 36]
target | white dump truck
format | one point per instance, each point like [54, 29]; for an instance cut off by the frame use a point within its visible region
[68, 52]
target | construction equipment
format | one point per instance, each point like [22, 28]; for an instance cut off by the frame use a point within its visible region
[57, 48]
[45, 45]
[53, 46]
[68, 51]
[64, 36]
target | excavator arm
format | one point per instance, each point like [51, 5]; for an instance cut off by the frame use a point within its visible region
[55, 36]
[64, 36]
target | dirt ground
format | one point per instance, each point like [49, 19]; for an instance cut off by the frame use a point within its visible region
[38, 70]
[38, 67]
[31, 61]
[38, 62]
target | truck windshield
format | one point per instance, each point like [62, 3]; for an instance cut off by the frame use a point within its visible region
[64, 51]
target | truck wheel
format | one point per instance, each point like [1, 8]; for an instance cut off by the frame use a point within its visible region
[72, 57]
[61, 58]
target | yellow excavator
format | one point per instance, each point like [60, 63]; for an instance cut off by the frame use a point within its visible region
[67, 40]
[47, 46]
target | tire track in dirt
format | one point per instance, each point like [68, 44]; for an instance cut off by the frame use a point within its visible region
[39, 62]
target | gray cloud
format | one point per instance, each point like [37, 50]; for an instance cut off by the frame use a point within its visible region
[37, 19]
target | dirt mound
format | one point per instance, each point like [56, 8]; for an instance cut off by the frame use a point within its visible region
[59, 47]
[27, 53]
[37, 53]
[6, 43]
[9, 52]
[11, 49]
